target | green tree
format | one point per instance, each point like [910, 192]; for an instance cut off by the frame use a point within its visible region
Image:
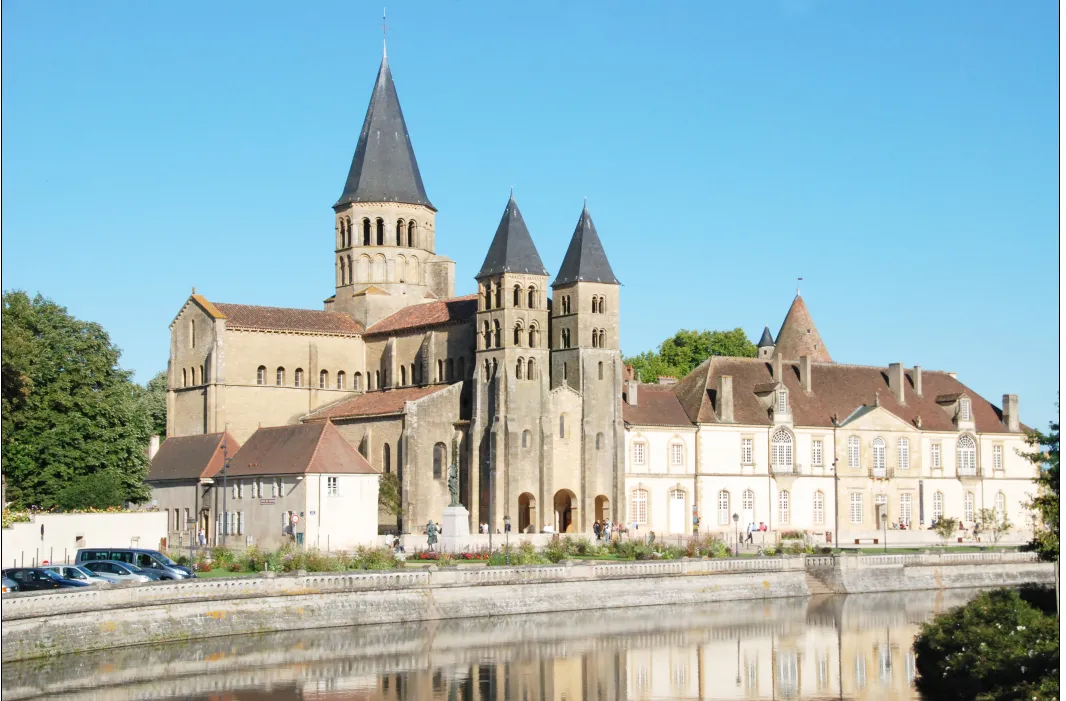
[99, 490]
[69, 411]
[155, 399]
[993, 525]
[998, 647]
[1045, 505]
[679, 355]
[389, 494]
[947, 528]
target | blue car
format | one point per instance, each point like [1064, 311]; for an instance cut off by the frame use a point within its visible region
[40, 579]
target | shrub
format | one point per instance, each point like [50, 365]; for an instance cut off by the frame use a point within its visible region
[793, 535]
[221, 556]
[997, 646]
[769, 551]
[793, 549]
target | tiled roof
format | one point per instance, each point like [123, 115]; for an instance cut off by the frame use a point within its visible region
[390, 401]
[427, 314]
[298, 449]
[247, 316]
[512, 249]
[836, 390]
[190, 457]
[799, 336]
[657, 405]
[585, 259]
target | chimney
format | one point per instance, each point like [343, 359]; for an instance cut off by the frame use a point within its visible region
[153, 442]
[777, 368]
[917, 377]
[725, 399]
[896, 380]
[667, 380]
[631, 392]
[1010, 413]
[805, 372]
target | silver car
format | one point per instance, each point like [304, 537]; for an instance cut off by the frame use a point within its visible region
[118, 571]
[78, 573]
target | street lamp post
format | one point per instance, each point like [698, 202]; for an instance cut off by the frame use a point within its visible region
[225, 515]
[883, 510]
[507, 538]
[736, 528]
[492, 503]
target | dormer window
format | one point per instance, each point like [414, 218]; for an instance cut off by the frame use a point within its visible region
[782, 401]
[964, 409]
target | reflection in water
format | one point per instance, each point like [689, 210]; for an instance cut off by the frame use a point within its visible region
[854, 647]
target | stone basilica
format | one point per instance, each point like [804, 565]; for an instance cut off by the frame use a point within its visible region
[519, 388]
[526, 393]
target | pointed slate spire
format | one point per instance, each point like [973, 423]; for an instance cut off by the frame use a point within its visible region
[585, 259]
[767, 339]
[799, 337]
[384, 168]
[512, 249]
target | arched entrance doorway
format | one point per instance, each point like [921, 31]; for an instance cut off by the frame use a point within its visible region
[603, 508]
[565, 512]
[527, 512]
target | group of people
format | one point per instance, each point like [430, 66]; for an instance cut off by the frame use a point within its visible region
[607, 529]
[750, 530]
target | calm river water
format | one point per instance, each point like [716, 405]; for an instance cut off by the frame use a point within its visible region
[834, 647]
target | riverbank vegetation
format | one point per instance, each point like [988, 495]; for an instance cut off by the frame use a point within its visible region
[1002, 646]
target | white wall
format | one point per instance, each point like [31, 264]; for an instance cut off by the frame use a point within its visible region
[23, 543]
[345, 520]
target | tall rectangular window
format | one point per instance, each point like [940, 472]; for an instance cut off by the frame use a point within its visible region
[240, 489]
[275, 489]
[782, 507]
[745, 451]
[934, 456]
[331, 486]
[782, 402]
[640, 506]
[819, 508]
[964, 409]
[638, 453]
[676, 454]
[905, 508]
[967, 507]
[997, 457]
[188, 519]
[938, 506]
[816, 453]
[903, 454]
[853, 451]
[856, 508]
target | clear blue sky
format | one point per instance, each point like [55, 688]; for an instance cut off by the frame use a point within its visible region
[902, 157]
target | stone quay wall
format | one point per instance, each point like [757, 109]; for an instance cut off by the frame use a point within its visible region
[36, 625]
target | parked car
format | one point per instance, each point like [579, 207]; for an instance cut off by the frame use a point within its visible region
[116, 572]
[10, 585]
[40, 579]
[79, 573]
[150, 560]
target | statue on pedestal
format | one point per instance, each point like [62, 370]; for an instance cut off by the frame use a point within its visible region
[453, 474]
[431, 534]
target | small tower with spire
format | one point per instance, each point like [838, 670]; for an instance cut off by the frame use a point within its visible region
[511, 377]
[766, 344]
[385, 247]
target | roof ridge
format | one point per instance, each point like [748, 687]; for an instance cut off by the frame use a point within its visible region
[321, 434]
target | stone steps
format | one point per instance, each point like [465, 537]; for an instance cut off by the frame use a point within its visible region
[816, 586]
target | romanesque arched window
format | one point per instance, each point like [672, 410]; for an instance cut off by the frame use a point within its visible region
[323, 379]
[517, 296]
[487, 338]
[880, 469]
[440, 459]
[781, 451]
[414, 274]
[340, 234]
[411, 234]
[603, 305]
[527, 438]
[599, 441]
[595, 339]
[344, 271]
[403, 375]
[401, 269]
[966, 457]
[449, 369]
[497, 334]
[488, 296]
[531, 297]
[366, 232]
[184, 377]
[386, 458]
[203, 376]
[341, 379]
[357, 381]
[298, 377]
[351, 271]
[400, 233]
[531, 370]
[601, 370]
[348, 231]
[261, 375]
[377, 380]
[562, 425]
[281, 376]
[518, 334]
[440, 365]
[381, 231]
[603, 338]
[532, 335]
[520, 368]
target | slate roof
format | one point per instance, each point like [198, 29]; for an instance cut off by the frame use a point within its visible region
[390, 401]
[767, 339]
[837, 390]
[585, 259]
[190, 457]
[384, 168]
[296, 450]
[512, 249]
[427, 314]
[799, 337]
[247, 316]
[657, 405]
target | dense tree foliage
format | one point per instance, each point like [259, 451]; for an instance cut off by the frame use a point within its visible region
[1003, 645]
[389, 494]
[679, 355]
[74, 424]
[155, 398]
[1046, 502]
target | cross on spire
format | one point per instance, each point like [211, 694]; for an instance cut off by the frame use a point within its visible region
[384, 33]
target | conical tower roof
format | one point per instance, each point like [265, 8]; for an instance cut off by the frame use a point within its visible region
[767, 339]
[799, 337]
[512, 249]
[384, 168]
[585, 260]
